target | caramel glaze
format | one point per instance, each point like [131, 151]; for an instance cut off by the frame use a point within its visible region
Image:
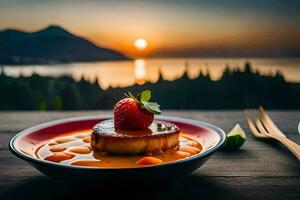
[75, 149]
[156, 129]
[159, 137]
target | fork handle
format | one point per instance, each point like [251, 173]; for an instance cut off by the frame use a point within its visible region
[291, 145]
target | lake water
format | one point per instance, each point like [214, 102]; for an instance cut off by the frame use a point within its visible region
[126, 73]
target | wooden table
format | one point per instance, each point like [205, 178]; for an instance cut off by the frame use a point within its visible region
[260, 170]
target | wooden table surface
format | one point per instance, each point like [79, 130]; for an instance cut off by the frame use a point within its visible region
[259, 170]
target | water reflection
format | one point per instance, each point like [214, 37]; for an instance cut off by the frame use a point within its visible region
[140, 71]
[126, 73]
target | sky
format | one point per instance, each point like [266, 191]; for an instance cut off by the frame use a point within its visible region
[171, 27]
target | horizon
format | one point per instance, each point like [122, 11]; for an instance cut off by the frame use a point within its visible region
[172, 28]
[71, 93]
[141, 71]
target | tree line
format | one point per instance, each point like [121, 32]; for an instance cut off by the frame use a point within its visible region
[235, 90]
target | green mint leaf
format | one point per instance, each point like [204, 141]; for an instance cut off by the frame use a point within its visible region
[145, 96]
[143, 99]
[151, 107]
[299, 127]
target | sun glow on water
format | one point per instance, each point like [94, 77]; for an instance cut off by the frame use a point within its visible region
[140, 71]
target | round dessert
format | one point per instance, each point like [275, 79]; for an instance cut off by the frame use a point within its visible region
[122, 142]
[159, 136]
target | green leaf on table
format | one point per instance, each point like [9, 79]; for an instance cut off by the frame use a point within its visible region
[299, 128]
[235, 138]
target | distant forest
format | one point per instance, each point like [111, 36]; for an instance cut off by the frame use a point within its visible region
[235, 90]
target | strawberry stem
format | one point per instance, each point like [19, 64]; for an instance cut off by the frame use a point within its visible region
[143, 99]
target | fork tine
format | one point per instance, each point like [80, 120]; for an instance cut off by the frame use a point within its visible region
[261, 130]
[260, 127]
[252, 127]
[269, 124]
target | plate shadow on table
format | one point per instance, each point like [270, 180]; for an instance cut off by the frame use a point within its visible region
[43, 188]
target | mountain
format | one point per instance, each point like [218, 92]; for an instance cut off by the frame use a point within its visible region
[50, 45]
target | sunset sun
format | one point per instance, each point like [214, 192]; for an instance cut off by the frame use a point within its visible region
[140, 44]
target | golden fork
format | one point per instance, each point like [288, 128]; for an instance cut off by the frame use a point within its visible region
[265, 128]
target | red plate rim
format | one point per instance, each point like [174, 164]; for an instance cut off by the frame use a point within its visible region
[176, 120]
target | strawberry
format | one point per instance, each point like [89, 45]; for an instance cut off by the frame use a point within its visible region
[135, 113]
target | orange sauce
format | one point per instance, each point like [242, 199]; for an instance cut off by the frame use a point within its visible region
[57, 148]
[80, 150]
[87, 139]
[58, 157]
[74, 149]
